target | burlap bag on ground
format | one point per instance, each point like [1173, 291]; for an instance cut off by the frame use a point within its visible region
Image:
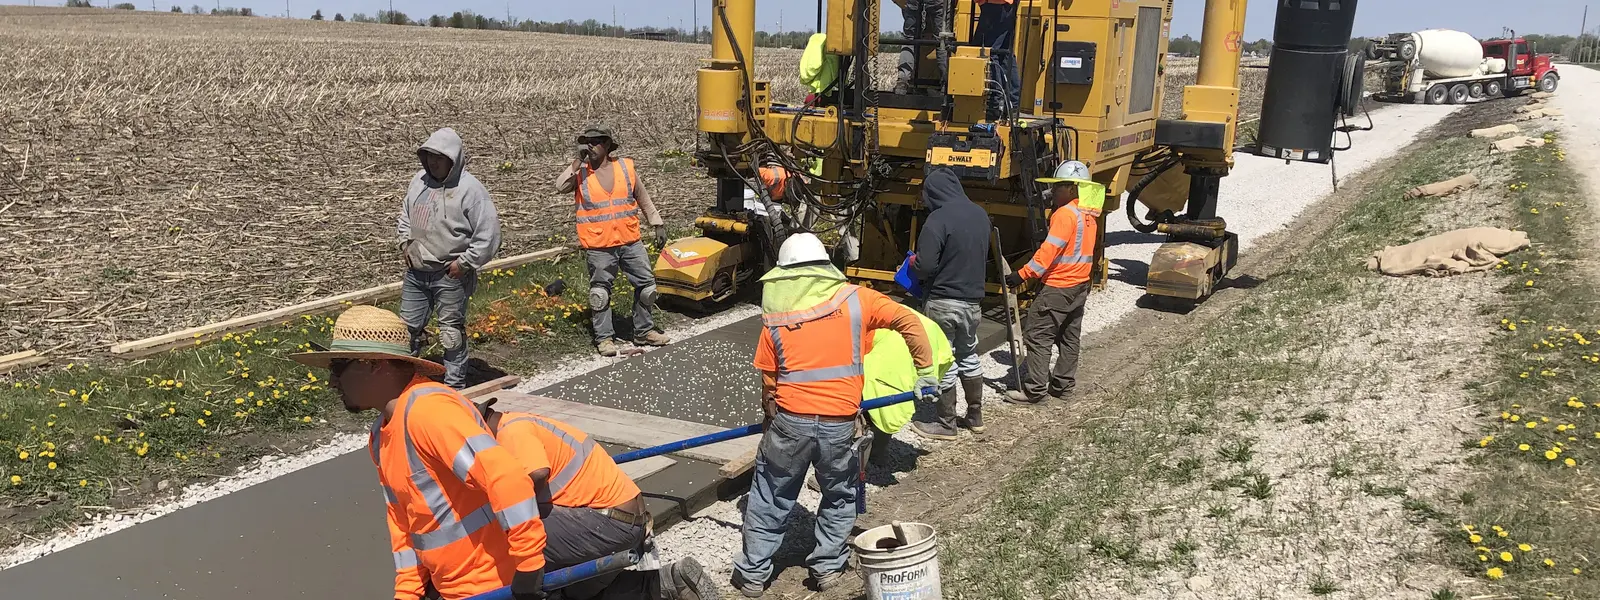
[1449, 253]
[1496, 131]
[1441, 188]
[1516, 143]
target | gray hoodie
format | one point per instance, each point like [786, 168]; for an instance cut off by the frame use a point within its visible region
[445, 220]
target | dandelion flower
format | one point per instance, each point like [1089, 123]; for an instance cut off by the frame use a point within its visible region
[1495, 573]
[1507, 557]
[1515, 418]
[201, 422]
[1475, 538]
[1571, 463]
[1577, 571]
[1525, 547]
[306, 419]
[23, 455]
[1523, 447]
[83, 482]
[1502, 533]
[1532, 424]
[1550, 454]
[16, 480]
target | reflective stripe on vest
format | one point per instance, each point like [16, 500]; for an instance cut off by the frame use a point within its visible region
[405, 559]
[1064, 258]
[451, 528]
[580, 452]
[777, 321]
[586, 200]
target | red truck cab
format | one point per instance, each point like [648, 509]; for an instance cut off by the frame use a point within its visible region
[1524, 68]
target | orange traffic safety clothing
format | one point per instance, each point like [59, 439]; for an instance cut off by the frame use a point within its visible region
[776, 179]
[582, 474]
[1067, 254]
[607, 216]
[462, 511]
[816, 353]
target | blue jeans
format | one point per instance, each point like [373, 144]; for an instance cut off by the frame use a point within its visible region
[958, 319]
[634, 262]
[790, 445]
[997, 28]
[421, 294]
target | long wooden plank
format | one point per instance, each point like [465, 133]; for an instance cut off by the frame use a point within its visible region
[738, 466]
[192, 335]
[645, 467]
[628, 428]
[491, 386]
[21, 360]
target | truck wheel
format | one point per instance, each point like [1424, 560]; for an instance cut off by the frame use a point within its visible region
[1475, 91]
[1437, 95]
[1408, 50]
[1492, 88]
[1459, 93]
[1548, 83]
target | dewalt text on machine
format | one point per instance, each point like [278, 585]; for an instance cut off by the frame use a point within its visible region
[1092, 74]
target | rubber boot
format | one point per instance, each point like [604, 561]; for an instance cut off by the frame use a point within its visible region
[687, 580]
[944, 427]
[972, 388]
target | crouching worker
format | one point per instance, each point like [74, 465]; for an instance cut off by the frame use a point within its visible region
[590, 509]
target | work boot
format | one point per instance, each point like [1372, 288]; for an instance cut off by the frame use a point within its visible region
[749, 589]
[902, 88]
[1017, 397]
[972, 388]
[942, 428]
[608, 347]
[652, 338]
[687, 580]
[829, 581]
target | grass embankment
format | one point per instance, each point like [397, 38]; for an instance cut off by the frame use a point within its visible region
[1312, 440]
[106, 435]
[1530, 520]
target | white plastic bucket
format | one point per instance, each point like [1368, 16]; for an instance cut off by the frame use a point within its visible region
[899, 562]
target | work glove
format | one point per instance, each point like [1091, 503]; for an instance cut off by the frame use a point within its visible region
[1014, 279]
[661, 236]
[927, 383]
[528, 585]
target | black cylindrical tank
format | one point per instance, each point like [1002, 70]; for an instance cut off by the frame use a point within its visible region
[1305, 79]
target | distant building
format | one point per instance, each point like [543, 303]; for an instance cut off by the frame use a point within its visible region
[658, 36]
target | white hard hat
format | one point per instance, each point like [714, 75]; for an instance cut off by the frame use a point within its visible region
[1068, 171]
[801, 248]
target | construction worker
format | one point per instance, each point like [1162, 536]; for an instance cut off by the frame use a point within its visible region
[462, 512]
[448, 231]
[590, 508]
[816, 329]
[609, 198]
[1063, 262]
[951, 263]
[920, 20]
[997, 28]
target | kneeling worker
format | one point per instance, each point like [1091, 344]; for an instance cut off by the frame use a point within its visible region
[1063, 262]
[590, 508]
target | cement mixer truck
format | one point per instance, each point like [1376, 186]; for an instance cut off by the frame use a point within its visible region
[1441, 66]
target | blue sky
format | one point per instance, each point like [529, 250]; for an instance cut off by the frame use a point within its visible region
[1479, 17]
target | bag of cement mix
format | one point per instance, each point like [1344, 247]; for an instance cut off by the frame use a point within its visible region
[1450, 253]
[1512, 144]
[1444, 188]
[1496, 131]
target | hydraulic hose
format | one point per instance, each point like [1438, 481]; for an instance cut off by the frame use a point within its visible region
[1133, 195]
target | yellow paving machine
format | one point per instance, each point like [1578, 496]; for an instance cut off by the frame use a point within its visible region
[1092, 76]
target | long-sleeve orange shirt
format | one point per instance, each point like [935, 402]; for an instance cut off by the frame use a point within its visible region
[461, 508]
[1067, 256]
[821, 344]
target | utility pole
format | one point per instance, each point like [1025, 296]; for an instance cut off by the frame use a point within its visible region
[696, 6]
[613, 20]
[1582, 26]
[780, 21]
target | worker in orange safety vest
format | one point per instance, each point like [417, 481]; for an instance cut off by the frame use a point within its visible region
[463, 515]
[590, 508]
[609, 198]
[817, 328]
[1063, 264]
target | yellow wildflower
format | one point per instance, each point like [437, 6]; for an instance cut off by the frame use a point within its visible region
[1495, 573]
[16, 480]
[1571, 463]
[1525, 547]
[1475, 538]
[1507, 557]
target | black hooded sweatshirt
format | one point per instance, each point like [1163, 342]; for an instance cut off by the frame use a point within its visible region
[953, 246]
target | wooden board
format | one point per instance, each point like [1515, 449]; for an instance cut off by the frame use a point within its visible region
[645, 467]
[737, 467]
[162, 343]
[491, 386]
[21, 360]
[631, 429]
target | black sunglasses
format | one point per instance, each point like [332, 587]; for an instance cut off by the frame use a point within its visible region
[337, 366]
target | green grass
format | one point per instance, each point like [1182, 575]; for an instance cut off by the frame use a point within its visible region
[107, 434]
[1321, 585]
[1060, 496]
[1547, 372]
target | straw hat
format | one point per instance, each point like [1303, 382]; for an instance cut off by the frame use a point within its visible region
[369, 333]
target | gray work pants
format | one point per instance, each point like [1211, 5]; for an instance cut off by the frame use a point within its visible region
[424, 292]
[604, 263]
[958, 319]
[578, 535]
[1054, 320]
[921, 19]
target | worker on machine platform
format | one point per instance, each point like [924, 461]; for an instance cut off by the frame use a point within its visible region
[463, 515]
[920, 20]
[609, 198]
[951, 263]
[997, 26]
[591, 509]
[1063, 263]
[816, 329]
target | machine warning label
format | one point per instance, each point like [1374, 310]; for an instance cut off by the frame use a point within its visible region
[1071, 62]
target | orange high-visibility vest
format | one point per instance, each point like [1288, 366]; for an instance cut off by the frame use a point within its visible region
[776, 179]
[608, 216]
[461, 509]
[816, 354]
[1067, 255]
[582, 474]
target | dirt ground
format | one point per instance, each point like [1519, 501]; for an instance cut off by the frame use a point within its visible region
[165, 171]
[1314, 485]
